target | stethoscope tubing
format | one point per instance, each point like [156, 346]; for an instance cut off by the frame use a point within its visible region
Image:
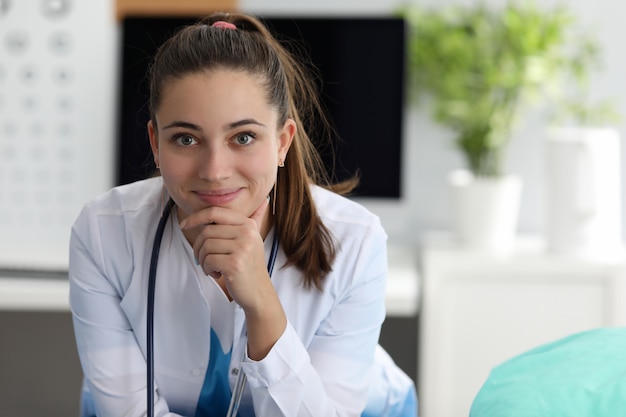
[154, 260]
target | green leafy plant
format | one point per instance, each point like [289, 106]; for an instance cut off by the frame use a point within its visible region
[482, 66]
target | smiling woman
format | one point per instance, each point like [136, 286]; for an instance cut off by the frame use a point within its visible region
[226, 109]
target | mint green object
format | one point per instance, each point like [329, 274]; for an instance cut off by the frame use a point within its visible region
[582, 375]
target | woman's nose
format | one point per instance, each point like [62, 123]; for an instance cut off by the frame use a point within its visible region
[214, 164]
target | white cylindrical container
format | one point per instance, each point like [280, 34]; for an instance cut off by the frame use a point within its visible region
[485, 211]
[583, 192]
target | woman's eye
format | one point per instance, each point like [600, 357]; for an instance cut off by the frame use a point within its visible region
[185, 140]
[244, 139]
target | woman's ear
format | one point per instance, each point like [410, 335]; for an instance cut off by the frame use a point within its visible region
[285, 138]
[154, 142]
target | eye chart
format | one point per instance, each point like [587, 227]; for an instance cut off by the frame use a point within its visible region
[58, 71]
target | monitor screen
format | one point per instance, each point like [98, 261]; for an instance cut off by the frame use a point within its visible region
[360, 64]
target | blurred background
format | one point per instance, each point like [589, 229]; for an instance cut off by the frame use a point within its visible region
[72, 125]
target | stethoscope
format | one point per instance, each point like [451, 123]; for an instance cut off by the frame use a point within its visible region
[240, 383]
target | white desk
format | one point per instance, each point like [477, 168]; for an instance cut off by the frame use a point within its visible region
[42, 293]
[34, 294]
[403, 282]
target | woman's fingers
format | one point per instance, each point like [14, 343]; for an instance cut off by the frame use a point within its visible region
[209, 215]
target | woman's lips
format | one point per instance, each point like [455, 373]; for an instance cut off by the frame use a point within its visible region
[218, 197]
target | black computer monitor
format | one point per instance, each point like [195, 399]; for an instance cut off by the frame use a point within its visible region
[360, 62]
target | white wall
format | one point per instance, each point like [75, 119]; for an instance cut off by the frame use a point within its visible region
[429, 154]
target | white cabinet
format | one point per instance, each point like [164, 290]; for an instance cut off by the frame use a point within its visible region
[479, 310]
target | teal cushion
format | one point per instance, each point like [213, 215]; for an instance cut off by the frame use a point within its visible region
[582, 375]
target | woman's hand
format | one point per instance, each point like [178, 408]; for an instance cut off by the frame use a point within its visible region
[229, 247]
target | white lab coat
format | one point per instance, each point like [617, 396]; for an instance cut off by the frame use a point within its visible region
[322, 365]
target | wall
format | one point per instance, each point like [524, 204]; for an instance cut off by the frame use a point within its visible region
[429, 154]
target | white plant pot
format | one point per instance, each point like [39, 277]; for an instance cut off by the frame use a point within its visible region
[485, 211]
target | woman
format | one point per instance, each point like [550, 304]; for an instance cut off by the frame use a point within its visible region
[262, 272]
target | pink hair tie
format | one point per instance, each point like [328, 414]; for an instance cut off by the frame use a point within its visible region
[223, 25]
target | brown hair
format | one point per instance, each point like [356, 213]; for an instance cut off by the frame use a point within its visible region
[291, 89]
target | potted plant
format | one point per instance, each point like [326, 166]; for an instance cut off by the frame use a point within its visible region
[480, 67]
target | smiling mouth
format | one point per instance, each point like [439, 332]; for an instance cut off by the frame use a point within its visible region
[218, 197]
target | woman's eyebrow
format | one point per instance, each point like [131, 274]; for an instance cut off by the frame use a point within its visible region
[243, 122]
[186, 125]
